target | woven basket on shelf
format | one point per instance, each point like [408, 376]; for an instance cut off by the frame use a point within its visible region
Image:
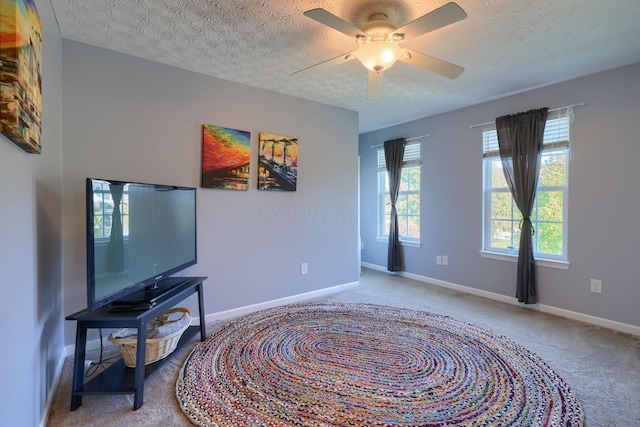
[126, 340]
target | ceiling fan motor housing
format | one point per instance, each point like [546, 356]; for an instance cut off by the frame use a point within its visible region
[378, 27]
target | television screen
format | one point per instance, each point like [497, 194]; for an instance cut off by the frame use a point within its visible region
[137, 235]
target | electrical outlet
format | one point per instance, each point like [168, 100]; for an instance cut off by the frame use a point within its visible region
[445, 259]
[303, 268]
[438, 260]
[596, 286]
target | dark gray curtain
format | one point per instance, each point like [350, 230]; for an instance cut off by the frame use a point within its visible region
[520, 138]
[115, 249]
[394, 155]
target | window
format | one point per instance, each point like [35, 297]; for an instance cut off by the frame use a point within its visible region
[103, 208]
[408, 204]
[549, 215]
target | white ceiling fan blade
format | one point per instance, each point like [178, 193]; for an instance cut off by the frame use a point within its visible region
[441, 17]
[331, 20]
[432, 64]
[374, 86]
[326, 64]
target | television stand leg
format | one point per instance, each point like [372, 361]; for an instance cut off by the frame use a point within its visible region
[78, 369]
[138, 383]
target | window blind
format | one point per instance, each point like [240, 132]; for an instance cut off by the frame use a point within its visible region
[556, 134]
[411, 156]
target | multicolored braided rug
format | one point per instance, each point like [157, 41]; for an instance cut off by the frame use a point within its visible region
[334, 364]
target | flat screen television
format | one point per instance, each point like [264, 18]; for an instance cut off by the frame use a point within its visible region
[138, 235]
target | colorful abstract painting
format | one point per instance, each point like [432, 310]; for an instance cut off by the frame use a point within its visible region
[20, 73]
[225, 158]
[278, 162]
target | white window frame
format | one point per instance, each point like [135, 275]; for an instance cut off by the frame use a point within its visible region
[411, 159]
[556, 140]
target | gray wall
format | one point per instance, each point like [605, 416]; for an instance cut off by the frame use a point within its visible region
[604, 239]
[133, 119]
[31, 253]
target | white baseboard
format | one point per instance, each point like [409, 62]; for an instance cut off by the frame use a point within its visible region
[52, 390]
[228, 314]
[561, 312]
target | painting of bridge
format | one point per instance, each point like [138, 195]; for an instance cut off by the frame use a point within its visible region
[278, 162]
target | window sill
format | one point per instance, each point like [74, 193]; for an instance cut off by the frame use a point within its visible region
[402, 242]
[541, 262]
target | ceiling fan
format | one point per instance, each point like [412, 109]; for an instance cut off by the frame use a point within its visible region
[378, 43]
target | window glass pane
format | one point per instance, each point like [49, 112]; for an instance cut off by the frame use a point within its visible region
[403, 225]
[401, 204]
[387, 204]
[549, 238]
[553, 169]
[550, 206]
[497, 175]
[501, 233]
[404, 181]
[413, 204]
[501, 205]
[413, 225]
[413, 178]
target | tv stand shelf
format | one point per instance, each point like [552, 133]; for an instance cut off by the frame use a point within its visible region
[118, 378]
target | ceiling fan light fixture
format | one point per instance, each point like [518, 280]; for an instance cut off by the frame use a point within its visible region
[378, 43]
[379, 55]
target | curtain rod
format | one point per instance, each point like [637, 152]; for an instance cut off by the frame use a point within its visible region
[550, 111]
[415, 138]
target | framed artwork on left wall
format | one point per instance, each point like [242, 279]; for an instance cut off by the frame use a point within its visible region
[21, 73]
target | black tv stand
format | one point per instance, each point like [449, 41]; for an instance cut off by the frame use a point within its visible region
[120, 306]
[118, 378]
[132, 302]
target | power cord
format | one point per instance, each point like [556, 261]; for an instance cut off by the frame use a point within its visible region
[94, 366]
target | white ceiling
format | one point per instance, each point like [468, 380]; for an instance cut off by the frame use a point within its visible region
[505, 46]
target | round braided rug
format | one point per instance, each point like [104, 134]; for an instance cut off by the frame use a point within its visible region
[334, 364]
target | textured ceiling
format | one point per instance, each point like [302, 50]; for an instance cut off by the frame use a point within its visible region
[505, 46]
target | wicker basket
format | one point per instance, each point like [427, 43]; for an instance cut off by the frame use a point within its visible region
[126, 340]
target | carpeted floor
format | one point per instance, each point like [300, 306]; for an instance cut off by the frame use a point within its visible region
[602, 367]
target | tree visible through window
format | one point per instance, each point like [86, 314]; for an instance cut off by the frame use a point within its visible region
[408, 203]
[549, 214]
